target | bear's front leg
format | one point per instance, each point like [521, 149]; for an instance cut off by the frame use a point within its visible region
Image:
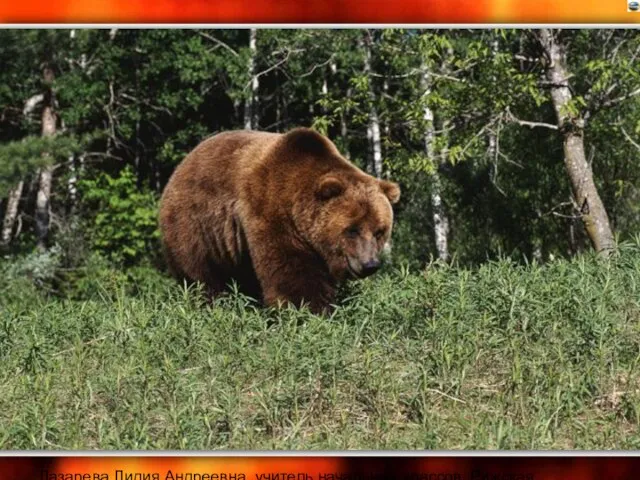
[294, 277]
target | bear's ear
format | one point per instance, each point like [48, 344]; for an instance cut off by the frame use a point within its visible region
[391, 191]
[329, 187]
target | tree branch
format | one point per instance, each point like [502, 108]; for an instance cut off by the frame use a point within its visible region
[622, 98]
[316, 66]
[272, 67]
[631, 140]
[218, 42]
[524, 58]
[31, 103]
[511, 117]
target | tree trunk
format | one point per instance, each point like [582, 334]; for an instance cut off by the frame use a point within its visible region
[13, 200]
[374, 122]
[72, 183]
[325, 86]
[43, 206]
[344, 132]
[493, 140]
[250, 118]
[333, 67]
[11, 213]
[376, 142]
[385, 90]
[440, 220]
[369, 166]
[592, 210]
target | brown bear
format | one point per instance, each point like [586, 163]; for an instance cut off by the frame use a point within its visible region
[285, 215]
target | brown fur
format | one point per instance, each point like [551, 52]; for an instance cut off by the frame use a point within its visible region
[286, 216]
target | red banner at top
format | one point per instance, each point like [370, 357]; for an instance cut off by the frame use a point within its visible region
[319, 11]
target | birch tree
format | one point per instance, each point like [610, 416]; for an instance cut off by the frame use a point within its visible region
[250, 118]
[11, 213]
[571, 126]
[440, 219]
[373, 128]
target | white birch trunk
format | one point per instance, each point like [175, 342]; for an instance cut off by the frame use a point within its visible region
[376, 142]
[374, 122]
[250, 118]
[370, 168]
[440, 220]
[11, 213]
[493, 141]
[343, 129]
[385, 89]
[333, 67]
[72, 183]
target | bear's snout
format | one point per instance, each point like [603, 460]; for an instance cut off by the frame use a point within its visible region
[360, 269]
[370, 267]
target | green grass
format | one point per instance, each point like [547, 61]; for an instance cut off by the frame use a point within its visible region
[500, 357]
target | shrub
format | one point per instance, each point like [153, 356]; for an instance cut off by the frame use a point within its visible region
[124, 225]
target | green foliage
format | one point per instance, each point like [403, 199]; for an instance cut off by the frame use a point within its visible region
[124, 227]
[23, 157]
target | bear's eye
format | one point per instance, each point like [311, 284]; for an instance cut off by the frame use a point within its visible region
[352, 231]
[379, 233]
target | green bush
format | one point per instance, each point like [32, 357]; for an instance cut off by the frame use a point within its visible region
[124, 223]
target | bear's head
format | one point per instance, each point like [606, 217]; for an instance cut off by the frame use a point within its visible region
[352, 222]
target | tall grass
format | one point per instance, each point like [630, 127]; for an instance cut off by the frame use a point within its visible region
[505, 356]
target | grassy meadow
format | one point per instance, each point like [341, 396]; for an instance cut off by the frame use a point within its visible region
[502, 356]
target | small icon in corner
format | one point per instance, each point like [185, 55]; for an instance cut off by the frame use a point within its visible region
[633, 6]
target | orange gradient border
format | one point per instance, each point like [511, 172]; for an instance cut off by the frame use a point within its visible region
[316, 11]
[319, 468]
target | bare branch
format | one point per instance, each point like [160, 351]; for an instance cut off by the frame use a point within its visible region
[631, 140]
[526, 59]
[554, 210]
[417, 71]
[622, 98]
[511, 117]
[478, 134]
[31, 103]
[635, 54]
[218, 42]
[146, 102]
[272, 67]
[89, 155]
[316, 66]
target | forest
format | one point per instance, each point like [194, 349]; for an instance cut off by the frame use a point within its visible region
[511, 286]
[506, 142]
